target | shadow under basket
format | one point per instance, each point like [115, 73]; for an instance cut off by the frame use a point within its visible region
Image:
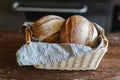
[89, 61]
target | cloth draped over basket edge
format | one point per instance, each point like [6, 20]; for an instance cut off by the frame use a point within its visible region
[36, 53]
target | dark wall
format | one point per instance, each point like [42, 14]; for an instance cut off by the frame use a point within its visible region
[9, 18]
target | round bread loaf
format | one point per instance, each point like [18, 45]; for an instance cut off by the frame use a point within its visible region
[47, 28]
[79, 30]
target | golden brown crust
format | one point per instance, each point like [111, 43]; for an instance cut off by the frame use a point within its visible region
[46, 27]
[36, 27]
[76, 29]
[53, 38]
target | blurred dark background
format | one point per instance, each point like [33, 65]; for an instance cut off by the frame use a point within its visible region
[9, 18]
[104, 12]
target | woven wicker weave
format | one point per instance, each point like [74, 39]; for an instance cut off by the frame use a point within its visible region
[83, 62]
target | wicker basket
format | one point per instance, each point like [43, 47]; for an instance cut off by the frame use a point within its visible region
[83, 62]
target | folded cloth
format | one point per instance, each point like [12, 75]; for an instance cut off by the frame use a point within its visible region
[36, 53]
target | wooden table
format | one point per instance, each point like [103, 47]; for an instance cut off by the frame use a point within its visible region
[10, 41]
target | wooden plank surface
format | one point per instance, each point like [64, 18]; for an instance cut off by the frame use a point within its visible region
[10, 41]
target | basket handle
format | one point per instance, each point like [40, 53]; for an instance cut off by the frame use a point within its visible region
[105, 39]
[27, 35]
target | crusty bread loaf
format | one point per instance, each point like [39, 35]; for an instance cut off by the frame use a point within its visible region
[79, 30]
[47, 28]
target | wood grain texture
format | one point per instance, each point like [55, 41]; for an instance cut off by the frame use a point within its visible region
[10, 41]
